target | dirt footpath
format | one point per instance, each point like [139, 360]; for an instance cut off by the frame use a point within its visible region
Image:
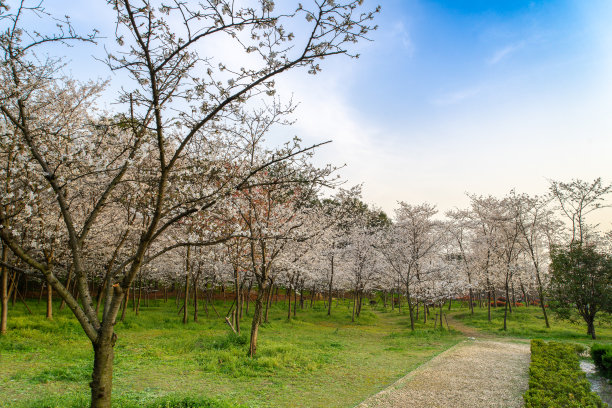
[475, 373]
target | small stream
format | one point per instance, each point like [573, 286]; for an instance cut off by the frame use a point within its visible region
[600, 385]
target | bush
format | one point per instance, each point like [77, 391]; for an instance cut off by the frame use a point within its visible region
[556, 380]
[602, 356]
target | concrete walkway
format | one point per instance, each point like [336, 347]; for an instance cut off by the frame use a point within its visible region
[480, 372]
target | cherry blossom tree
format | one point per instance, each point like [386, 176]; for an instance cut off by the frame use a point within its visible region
[172, 124]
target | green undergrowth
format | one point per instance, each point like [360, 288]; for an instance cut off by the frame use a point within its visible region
[528, 322]
[556, 380]
[312, 360]
[602, 356]
[137, 400]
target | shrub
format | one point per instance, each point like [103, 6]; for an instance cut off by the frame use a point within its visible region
[602, 356]
[556, 380]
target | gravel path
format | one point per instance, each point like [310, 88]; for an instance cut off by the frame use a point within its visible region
[475, 373]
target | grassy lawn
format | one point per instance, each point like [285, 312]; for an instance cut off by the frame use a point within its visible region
[311, 361]
[528, 322]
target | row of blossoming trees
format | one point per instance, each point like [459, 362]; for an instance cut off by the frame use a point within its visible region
[177, 189]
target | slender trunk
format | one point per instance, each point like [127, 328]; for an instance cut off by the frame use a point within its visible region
[289, 302]
[134, 299]
[248, 295]
[312, 295]
[68, 280]
[354, 304]
[450, 302]
[489, 304]
[392, 300]
[410, 307]
[295, 301]
[302, 295]
[17, 277]
[100, 294]
[195, 300]
[506, 305]
[185, 312]
[425, 311]
[125, 302]
[471, 302]
[269, 301]
[541, 295]
[494, 298]
[42, 290]
[237, 290]
[256, 318]
[4, 292]
[49, 302]
[329, 294]
[139, 295]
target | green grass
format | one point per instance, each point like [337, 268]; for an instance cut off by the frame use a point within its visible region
[528, 322]
[311, 361]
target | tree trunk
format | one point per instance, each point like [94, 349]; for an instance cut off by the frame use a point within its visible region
[269, 301]
[289, 302]
[185, 313]
[139, 295]
[102, 377]
[68, 280]
[494, 298]
[302, 295]
[49, 302]
[195, 300]
[354, 304]
[541, 295]
[295, 301]
[591, 328]
[489, 304]
[506, 305]
[410, 307]
[125, 302]
[312, 295]
[256, 318]
[42, 291]
[248, 296]
[329, 294]
[237, 294]
[4, 292]
[17, 277]
[471, 302]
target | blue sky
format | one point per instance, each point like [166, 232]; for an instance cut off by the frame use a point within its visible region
[471, 96]
[452, 97]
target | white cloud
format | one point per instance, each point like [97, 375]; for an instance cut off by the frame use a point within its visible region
[401, 32]
[504, 53]
[456, 96]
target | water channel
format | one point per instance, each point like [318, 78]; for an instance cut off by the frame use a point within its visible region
[599, 384]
